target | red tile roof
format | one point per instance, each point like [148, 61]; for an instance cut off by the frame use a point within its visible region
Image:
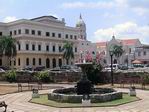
[124, 42]
[101, 43]
[129, 41]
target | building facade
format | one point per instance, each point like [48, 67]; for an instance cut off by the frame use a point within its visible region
[142, 53]
[128, 45]
[40, 41]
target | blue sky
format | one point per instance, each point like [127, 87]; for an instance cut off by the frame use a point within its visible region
[103, 18]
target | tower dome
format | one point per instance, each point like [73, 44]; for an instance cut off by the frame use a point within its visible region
[80, 22]
[82, 28]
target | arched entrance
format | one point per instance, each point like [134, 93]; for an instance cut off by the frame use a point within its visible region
[115, 61]
[47, 63]
[60, 62]
[54, 62]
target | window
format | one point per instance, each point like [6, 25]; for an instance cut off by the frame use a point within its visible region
[33, 47]
[1, 33]
[75, 37]
[39, 47]
[60, 49]
[19, 47]
[66, 36]
[47, 34]
[39, 61]
[75, 49]
[71, 36]
[47, 47]
[139, 53]
[59, 35]
[53, 48]
[18, 61]
[19, 31]
[15, 32]
[39, 33]
[144, 53]
[53, 34]
[10, 33]
[33, 32]
[26, 31]
[27, 61]
[34, 61]
[27, 46]
[14, 63]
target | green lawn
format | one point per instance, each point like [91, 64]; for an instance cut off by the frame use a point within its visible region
[44, 101]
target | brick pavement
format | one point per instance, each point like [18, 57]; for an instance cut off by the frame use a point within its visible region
[18, 102]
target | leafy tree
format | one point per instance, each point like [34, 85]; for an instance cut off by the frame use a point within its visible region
[117, 51]
[8, 47]
[68, 51]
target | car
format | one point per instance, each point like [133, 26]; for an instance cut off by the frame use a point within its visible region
[123, 67]
[71, 68]
[146, 65]
[115, 67]
[2, 71]
[40, 68]
[5, 68]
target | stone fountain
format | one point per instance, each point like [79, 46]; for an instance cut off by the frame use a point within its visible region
[84, 86]
[84, 91]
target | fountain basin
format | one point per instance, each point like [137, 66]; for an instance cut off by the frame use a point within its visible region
[69, 95]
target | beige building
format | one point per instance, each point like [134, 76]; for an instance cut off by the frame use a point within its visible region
[40, 41]
[128, 45]
[142, 53]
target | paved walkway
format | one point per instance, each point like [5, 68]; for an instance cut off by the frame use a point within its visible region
[18, 102]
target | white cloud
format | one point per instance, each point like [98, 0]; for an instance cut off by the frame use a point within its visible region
[88, 5]
[9, 19]
[123, 31]
[140, 7]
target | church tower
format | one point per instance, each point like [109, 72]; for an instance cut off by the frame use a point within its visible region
[82, 28]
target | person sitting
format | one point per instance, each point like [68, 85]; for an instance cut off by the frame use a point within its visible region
[3, 104]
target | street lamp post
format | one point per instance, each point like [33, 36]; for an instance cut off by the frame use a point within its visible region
[111, 55]
[127, 59]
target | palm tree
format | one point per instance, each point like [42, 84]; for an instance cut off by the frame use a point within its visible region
[8, 47]
[68, 51]
[118, 51]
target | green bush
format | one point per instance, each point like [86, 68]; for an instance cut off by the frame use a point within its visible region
[43, 76]
[11, 76]
[146, 79]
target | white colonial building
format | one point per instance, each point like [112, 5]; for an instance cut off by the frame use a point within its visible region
[40, 41]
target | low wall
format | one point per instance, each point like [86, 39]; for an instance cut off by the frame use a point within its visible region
[74, 98]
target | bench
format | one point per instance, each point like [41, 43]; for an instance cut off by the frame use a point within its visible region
[3, 104]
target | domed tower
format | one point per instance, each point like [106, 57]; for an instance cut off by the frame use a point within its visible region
[82, 28]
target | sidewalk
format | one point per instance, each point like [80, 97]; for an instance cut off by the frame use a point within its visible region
[18, 102]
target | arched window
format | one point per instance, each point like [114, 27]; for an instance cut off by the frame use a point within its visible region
[27, 61]
[60, 62]
[34, 61]
[47, 63]
[54, 62]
